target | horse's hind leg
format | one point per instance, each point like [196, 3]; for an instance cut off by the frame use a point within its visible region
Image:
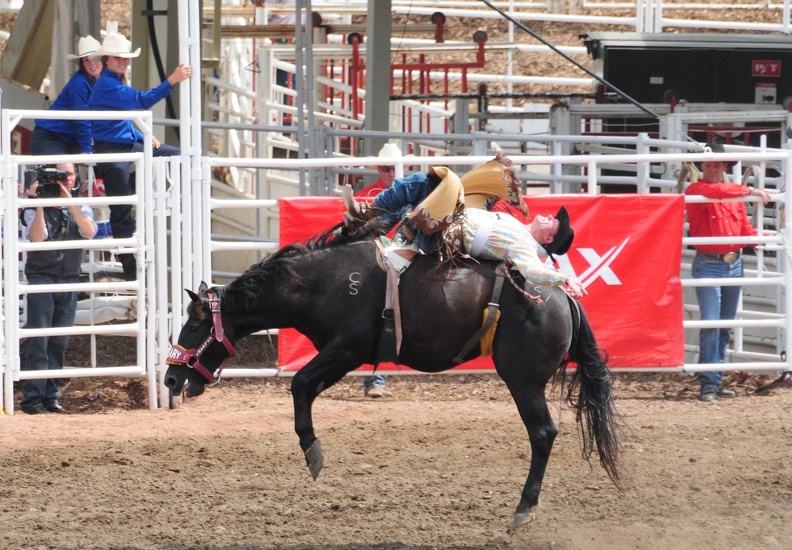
[532, 405]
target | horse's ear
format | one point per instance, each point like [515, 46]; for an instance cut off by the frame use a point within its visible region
[197, 305]
[203, 287]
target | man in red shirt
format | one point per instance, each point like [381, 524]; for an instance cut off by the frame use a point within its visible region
[386, 172]
[374, 386]
[718, 219]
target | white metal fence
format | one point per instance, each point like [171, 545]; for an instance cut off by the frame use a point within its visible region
[175, 238]
[765, 271]
[14, 248]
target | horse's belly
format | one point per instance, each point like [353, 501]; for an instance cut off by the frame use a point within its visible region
[431, 341]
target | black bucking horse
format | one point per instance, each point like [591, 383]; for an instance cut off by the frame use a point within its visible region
[332, 290]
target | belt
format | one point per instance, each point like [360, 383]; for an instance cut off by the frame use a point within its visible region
[729, 257]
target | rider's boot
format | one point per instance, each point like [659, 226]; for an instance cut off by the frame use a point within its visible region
[404, 234]
[357, 213]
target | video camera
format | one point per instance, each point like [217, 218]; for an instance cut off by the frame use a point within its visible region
[48, 179]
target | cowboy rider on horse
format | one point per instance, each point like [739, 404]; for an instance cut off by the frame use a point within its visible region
[477, 214]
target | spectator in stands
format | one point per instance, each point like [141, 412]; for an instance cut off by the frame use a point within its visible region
[62, 137]
[110, 93]
[718, 219]
[374, 386]
[48, 267]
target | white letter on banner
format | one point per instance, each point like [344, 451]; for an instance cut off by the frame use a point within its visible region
[600, 265]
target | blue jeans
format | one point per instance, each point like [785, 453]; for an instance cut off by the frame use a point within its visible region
[52, 309]
[118, 182]
[715, 303]
[44, 142]
[406, 193]
[376, 381]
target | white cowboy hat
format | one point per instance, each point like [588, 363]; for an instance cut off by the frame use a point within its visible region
[115, 45]
[86, 46]
[390, 151]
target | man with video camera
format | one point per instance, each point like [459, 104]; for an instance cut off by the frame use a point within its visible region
[51, 309]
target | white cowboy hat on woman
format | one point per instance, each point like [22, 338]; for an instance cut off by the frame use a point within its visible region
[85, 47]
[115, 45]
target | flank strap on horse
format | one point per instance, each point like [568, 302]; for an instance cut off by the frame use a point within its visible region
[492, 313]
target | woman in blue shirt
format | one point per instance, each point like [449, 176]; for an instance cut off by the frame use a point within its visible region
[55, 137]
[111, 93]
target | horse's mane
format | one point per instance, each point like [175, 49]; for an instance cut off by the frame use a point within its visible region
[339, 235]
[247, 287]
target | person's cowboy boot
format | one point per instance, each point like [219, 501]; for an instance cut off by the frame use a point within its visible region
[405, 234]
[357, 213]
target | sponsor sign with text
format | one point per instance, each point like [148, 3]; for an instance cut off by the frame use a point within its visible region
[627, 252]
[766, 68]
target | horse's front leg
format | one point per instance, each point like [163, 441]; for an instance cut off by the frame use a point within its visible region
[320, 373]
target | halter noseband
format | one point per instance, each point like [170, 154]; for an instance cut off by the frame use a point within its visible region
[190, 357]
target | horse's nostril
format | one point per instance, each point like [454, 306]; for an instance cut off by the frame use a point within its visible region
[170, 382]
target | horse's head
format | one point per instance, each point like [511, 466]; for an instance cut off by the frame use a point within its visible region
[203, 345]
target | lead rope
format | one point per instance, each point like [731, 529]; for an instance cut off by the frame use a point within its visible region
[521, 290]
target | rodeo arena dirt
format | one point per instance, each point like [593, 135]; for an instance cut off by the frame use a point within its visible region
[438, 465]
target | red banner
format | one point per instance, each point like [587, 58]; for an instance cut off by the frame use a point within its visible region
[627, 253]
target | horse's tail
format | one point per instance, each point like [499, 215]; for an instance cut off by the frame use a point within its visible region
[596, 413]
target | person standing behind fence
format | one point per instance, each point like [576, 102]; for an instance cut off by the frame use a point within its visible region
[110, 93]
[64, 137]
[49, 267]
[374, 385]
[386, 171]
[718, 219]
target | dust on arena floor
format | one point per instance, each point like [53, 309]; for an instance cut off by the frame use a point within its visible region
[439, 465]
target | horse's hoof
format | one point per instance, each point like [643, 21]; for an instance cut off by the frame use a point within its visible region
[315, 459]
[521, 519]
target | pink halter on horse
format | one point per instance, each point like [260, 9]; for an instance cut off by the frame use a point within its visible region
[191, 357]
